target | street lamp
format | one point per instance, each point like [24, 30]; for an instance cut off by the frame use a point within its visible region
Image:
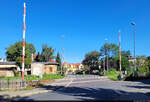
[133, 24]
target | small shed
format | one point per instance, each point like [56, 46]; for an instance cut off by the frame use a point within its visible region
[8, 68]
[38, 68]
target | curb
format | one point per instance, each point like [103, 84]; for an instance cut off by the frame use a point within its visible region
[26, 94]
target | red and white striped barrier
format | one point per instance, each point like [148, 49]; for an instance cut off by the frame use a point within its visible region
[23, 51]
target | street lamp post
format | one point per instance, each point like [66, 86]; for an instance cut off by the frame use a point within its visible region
[104, 64]
[107, 54]
[133, 24]
[62, 50]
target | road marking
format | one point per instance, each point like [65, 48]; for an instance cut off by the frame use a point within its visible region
[118, 92]
[69, 83]
[88, 81]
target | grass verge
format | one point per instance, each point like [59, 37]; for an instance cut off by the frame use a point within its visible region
[34, 77]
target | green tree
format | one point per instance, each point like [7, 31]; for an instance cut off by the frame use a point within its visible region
[142, 64]
[124, 63]
[126, 53]
[109, 49]
[92, 60]
[148, 58]
[47, 53]
[38, 57]
[14, 53]
[58, 60]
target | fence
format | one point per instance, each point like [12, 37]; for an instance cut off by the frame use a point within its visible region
[12, 84]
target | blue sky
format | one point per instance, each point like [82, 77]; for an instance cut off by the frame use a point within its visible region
[83, 23]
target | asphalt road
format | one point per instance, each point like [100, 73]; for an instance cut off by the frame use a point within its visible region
[94, 88]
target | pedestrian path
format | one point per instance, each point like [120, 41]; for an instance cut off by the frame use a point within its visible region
[22, 93]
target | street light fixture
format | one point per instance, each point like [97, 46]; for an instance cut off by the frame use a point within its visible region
[133, 24]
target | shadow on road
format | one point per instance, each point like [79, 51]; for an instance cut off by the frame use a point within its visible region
[146, 81]
[86, 93]
[139, 87]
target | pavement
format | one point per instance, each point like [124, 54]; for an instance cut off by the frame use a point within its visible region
[83, 88]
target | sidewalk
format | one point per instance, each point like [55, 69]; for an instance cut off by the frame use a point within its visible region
[22, 93]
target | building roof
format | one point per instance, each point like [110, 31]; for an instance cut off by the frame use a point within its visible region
[7, 63]
[46, 63]
[52, 60]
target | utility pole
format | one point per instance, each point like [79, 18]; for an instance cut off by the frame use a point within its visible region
[120, 52]
[23, 51]
[133, 24]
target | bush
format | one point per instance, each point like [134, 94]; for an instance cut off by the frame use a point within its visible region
[34, 77]
[31, 77]
[137, 77]
[143, 70]
[112, 74]
[52, 76]
[101, 73]
[10, 78]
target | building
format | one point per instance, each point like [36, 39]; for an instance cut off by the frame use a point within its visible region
[73, 67]
[2, 60]
[8, 68]
[38, 68]
[130, 59]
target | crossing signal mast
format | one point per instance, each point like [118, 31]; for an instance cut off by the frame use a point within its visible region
[23, 50]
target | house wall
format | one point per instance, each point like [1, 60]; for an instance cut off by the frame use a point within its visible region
[5, 72]
[36, 69]
[81, 66]
[50, 69]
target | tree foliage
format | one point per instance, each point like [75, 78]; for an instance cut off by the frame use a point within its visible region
[46, 54]
[14, 53]
[124, 63]
[126, 53]
[38, 57]
[109, 49]
[58, 60]
[92, 60]
[142, 64]
[112, 50]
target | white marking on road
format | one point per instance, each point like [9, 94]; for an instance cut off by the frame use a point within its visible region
[88, 81]
[118, 92]
[69, 83]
